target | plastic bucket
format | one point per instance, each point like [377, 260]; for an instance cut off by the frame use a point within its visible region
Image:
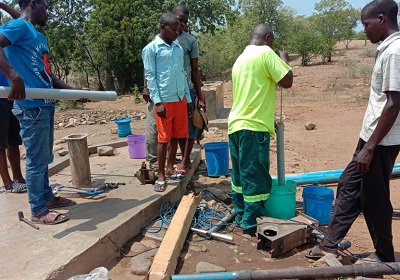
[217, 158]
[124, 127]
[281, 203]
[137, 145]
[317, 203]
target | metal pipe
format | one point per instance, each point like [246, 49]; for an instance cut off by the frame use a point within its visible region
[208, 234]
[363, 269]
[64, 94]
[325, 177]
[280, 149]
[224, 221]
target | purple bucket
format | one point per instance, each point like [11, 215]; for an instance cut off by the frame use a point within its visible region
[137, 145]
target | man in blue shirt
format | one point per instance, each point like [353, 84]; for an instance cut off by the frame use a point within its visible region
[9, 135]
[166, 80]
[24, 58]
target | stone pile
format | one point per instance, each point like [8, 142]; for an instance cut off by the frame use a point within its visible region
[95, 117]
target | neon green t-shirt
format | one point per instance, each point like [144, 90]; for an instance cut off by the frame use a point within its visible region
[254, 77]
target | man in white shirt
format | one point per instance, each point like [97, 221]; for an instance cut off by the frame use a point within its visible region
[364, 184]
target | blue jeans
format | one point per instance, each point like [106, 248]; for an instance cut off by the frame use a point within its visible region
[37, 133]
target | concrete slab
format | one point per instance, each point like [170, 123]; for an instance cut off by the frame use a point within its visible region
[97, 228]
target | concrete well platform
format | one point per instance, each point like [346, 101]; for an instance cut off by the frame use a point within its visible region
[98, 225]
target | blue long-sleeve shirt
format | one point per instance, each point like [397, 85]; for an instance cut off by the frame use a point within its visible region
[164, 71]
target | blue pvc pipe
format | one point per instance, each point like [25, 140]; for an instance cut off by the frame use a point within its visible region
[325, 177]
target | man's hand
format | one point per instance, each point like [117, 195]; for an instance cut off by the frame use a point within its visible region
[363, 160]
[146, 94]
[190, 109]
[17, 89]
[161, 112]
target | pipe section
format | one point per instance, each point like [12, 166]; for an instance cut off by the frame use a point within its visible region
[363, 269]
[325, 177]
[280, 150]
[64, 94]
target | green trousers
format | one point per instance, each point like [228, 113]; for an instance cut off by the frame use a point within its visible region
[251, 181]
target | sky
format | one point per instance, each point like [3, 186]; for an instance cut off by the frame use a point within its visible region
[306, 7]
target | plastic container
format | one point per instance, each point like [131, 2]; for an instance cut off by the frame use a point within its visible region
[281, 203]
[124, 127]
[137, 145]
[217, 158]
[317, 203]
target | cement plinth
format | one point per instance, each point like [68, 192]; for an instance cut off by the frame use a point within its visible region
[97, 228]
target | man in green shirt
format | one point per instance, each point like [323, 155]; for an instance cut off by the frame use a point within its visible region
[251, 123]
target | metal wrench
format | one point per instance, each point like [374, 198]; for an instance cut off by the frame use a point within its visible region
[21, 218]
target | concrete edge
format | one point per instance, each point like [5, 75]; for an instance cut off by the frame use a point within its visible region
[63, 162]
[107, 248]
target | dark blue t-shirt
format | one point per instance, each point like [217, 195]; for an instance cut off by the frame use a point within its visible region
[28, 54]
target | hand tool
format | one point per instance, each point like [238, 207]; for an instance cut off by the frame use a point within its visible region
[21, 218]
[88, 192]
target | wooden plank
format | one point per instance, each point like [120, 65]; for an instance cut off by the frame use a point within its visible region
[166, 259]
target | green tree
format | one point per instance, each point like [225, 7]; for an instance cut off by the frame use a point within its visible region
[334, 21]
[303, 40]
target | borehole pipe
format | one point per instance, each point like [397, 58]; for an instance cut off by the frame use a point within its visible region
[363, 269]
[63, 94]
[280, 147]
[326, 177]
[223, 222]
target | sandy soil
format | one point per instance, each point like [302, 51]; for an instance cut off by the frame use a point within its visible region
[332, 96]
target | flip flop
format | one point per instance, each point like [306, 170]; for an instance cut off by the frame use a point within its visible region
[160, 186]
[50, 218]
[59, 202]
[317, 252]
[178, 177]
[179, 171]
[18, 187]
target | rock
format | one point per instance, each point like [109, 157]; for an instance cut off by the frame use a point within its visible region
[60, 141]
[70, 125]
[103, 122]
[57, 148]
[150, 243]
[114, 130]
[91, 122]
[328, 260]
[203, 267]
[225, 183]
[141, 264]
[310, 126]
[105, 151]
[137, 248]
[62, 153]
[61, 125]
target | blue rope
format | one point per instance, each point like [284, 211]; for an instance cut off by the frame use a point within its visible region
[204, 218]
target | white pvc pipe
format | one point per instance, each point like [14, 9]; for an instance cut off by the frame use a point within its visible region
[64, 94]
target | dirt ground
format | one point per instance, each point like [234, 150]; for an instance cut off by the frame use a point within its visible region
[333, 97]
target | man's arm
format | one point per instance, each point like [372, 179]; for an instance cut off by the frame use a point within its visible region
[287, 80]
[17, 84]
[11, 11]
[57, 83]
[195, 76]
[385, 123]
[146, 92]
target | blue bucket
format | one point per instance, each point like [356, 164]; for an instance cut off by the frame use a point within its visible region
[317, 203]
[124, 127]
[217, 158]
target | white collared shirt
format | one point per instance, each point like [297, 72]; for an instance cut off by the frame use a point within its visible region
[385, 77]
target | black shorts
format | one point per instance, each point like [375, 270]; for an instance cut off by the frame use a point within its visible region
[9, 125]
